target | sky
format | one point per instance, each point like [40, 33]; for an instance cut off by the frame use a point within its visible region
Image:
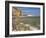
[30, 10]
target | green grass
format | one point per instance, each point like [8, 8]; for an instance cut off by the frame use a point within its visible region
[34, 21]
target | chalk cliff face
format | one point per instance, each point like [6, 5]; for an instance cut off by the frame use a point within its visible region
[30, 15]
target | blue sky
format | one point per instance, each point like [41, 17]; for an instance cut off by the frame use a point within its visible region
[30, 10]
